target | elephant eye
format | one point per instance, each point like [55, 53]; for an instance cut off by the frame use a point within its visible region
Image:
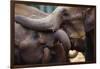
[65, 14]
[35, 35]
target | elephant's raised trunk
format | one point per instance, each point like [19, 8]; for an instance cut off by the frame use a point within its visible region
[50, 23]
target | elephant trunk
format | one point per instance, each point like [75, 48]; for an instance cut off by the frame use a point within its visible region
[63, 38]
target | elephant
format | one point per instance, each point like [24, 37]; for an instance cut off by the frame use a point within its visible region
[30, 46]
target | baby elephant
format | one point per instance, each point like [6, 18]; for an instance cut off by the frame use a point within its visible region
[29, 49]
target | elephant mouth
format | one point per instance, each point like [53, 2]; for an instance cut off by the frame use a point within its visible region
[77, 40]
[79, 35]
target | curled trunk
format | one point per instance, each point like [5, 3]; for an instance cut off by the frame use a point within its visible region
[51, 22]
[63, 38]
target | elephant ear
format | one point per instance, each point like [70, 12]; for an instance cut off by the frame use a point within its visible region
[90, 19]
[46, 55]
